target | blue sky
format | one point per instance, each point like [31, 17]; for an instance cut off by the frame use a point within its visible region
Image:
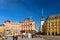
[18, 10]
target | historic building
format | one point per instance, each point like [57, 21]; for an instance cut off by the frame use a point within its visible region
[26, 26]
[52, 25]
[12, 27]
[42, 22]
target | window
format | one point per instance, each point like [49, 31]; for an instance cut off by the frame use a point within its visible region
[59, 16]
[52, 28]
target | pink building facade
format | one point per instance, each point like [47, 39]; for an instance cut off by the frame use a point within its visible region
[26, 26]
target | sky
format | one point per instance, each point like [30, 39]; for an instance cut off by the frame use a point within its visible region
[18, 10]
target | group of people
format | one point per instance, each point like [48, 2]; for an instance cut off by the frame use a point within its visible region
[15, 37]
[29, 35]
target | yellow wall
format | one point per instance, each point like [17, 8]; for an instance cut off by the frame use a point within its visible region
[52, 25]
[1, 29]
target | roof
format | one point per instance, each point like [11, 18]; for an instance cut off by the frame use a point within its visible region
[27, 19]
[7, 21]
[42, 19]
[55, 15]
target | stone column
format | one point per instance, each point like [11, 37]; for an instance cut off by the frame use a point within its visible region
[47, 33]
[50, 32]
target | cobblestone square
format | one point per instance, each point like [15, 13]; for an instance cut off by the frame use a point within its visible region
[43, 38]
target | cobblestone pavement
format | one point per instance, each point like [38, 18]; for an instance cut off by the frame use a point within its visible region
[28, 39]
[32, 39]
[0, 38]
[44, 38]
[10, 38]
[51, 37]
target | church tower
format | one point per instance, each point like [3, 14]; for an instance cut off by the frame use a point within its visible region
[42, 21]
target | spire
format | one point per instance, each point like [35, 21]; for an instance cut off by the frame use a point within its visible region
[42, 12]
[42, 15]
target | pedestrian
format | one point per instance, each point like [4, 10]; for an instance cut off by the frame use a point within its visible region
[16, 37]
[22, 36]
[32, 35]
[13, 37]
[2, 38]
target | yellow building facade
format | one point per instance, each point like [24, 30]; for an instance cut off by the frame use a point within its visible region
[52, 25]
[2, 30]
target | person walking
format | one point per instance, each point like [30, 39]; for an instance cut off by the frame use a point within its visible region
[2, 38]
[22, 36]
